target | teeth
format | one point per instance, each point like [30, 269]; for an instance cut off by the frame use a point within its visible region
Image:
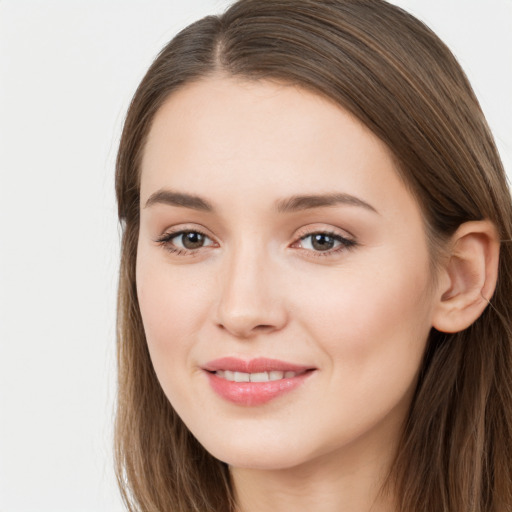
[259, 377]
[254, 377]
[241, 377]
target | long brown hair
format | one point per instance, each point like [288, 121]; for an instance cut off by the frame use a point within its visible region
[390, 71]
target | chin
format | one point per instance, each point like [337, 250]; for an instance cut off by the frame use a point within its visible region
[265, 455]
[263, 462]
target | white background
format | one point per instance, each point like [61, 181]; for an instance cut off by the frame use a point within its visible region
[68, 69]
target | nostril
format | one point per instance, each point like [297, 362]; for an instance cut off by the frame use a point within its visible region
[246, 329]
[250, 317]
[264, 327]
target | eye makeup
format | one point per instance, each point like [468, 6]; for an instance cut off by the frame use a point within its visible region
[318, 243]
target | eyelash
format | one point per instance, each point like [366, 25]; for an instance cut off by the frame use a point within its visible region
[166, 241]
[345, 243]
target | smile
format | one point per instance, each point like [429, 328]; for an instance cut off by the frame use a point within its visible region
[254, 382]
[255, 377]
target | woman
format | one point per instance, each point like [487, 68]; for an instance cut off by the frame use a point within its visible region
[314, 300]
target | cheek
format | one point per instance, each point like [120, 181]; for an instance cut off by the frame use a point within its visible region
[172, 305]
[372, 329]
[378, 315]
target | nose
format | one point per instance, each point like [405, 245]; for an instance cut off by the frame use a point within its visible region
[251, 302]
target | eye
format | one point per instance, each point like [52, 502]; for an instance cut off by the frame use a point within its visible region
[325, 242]
[184, 241]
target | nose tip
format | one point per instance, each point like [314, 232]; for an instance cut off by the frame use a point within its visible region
[246, 312]
[244, 326]
[250, 303]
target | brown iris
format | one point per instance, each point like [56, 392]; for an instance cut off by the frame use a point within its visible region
[322, 242]
[192, 240]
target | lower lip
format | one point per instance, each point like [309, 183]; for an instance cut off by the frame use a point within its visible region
[254, 393]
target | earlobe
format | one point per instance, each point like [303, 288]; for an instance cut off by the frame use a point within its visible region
[468, 277]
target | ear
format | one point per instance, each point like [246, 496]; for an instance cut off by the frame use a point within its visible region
[468, 276]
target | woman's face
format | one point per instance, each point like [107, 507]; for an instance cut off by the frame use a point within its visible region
[278, 242]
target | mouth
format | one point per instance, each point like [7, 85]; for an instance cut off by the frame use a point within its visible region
[254, 382]
[256, 377]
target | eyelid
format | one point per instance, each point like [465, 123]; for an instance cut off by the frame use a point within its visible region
[345, 240]
[312, 229]
[185, 228]
[164, 239]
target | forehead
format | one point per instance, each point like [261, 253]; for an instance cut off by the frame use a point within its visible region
[229, 136]
[224, 110]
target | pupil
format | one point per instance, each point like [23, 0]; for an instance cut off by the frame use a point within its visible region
[322, 242]
[192, 240]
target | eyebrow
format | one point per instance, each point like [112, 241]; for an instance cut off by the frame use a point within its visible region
[291, 204]
[296, 203]
[179, 199]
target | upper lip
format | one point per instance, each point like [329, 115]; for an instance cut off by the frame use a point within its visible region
[260, 364]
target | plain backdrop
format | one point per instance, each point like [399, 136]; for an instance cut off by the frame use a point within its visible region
[68, 69]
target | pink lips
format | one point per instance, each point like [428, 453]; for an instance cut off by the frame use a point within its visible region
[254, 393]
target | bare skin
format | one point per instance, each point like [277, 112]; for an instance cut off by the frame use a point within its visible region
[340, 284]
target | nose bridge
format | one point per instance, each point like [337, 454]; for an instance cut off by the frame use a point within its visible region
[249, 300]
